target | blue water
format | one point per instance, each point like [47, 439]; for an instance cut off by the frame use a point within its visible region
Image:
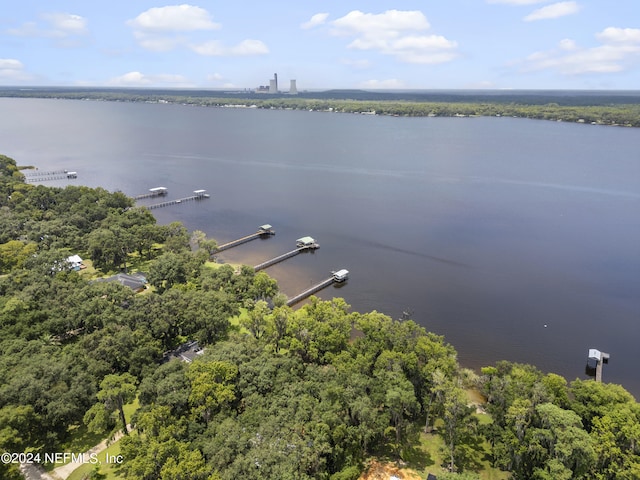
[516, 239]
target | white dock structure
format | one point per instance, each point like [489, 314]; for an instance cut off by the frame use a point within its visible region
[49, 176]
[303, 244]
[336, 277]
[198, 195]
[264, 231]
[599, 358]
[153, 192]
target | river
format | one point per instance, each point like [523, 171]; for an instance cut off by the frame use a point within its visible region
[515, 239]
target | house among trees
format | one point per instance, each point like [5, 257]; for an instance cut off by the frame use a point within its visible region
[75, 262]
[136, 282]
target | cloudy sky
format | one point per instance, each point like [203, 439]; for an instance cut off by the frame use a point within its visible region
[401, 44]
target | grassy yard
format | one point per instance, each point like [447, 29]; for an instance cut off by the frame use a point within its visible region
[429, 455]
[109, 469]
[81, 440]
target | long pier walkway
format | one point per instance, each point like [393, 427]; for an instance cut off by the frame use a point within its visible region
[45, 179]
[310, 291]
[599, 358]
[38, 173]
[280, 258]
[176, 201]
[264, 231]
[336, 277]
[604, 358]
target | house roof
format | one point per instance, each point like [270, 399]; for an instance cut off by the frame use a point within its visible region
[74, 259]
[305, 240]
[134, 282]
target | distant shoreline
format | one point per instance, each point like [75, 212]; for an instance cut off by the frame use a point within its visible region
[594, 108]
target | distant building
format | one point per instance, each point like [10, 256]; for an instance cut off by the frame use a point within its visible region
[273, 87]
[273, 84]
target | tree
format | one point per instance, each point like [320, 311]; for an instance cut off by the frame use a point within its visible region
[256, 319]
[109, 248]
[211, 387]
[277, 324]
[264, 287]
[176, 238]
[569, 449]
[459, 424]
[167, 270]
[115, 392]
[14, 253]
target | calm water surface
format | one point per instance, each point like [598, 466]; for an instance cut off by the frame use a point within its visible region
[516, 239]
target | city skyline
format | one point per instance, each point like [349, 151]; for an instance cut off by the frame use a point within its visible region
[460, 44]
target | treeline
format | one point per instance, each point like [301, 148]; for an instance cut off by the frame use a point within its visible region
[602, 109]
[306, 394]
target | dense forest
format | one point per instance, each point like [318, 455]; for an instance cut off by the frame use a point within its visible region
[312, 393]
[601, 108]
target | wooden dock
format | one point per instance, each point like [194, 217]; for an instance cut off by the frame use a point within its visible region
[279, 258]
[197, 196]
[153, 192]
[45, 179]
[49, 176]
[599, 358]
[263, 232]
[336, 277]
[49, 173]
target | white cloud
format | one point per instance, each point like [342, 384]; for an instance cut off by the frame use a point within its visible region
[555, 10]
[568, 44]
[619, 35]
[66, 24]
[397, 33]
[173, 18]
[12, 71]
[64, 28]
[619, 49]
[138, 79]
[387, 24]
[10, 64]
[317, 19]
[214, 48]
[162, 29]
[383, 84]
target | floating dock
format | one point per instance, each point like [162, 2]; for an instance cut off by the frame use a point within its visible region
[303, 244]
[336, 277]
[199, 195]
[264, 231]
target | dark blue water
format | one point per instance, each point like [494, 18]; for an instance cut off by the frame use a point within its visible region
[516, 239]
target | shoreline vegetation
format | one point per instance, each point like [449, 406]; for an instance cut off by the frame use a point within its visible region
[596, 108]
[273, 392]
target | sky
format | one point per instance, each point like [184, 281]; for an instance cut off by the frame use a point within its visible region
[375, 44]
